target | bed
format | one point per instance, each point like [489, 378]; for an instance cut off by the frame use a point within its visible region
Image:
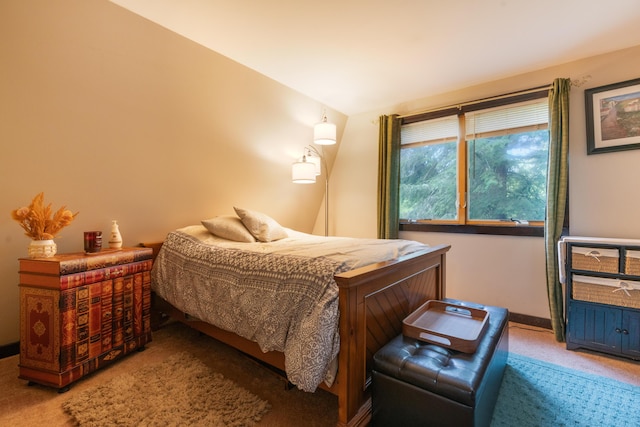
[364, 298]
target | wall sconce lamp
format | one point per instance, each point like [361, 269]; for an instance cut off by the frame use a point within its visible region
[306, 170]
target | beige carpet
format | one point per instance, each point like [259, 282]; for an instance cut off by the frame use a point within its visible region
[21, 405]
[179, 391]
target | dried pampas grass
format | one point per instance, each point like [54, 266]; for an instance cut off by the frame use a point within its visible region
[39, 222]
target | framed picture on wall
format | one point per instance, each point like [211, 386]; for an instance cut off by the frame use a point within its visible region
[613, 117]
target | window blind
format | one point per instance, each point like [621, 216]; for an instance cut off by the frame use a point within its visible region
[521, 117]
[430, 131]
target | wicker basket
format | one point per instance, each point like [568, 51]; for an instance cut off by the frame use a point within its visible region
[624, 293]
[595, 259]
[632, 263]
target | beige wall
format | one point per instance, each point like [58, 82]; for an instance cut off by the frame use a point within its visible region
[504, 270]
[119, 118]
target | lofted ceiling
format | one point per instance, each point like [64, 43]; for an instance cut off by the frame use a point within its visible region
[362, 55]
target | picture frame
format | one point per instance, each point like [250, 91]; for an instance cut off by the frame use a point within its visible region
[613, 117]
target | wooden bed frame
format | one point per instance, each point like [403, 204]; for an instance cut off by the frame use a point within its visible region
[373, 301]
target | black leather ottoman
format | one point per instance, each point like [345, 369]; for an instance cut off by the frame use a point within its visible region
[415, 383]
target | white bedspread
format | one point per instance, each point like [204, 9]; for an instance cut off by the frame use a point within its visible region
[350, 252]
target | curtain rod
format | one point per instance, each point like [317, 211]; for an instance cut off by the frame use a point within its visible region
[477, 101]
[575, 82]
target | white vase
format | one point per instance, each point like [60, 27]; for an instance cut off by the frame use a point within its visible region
[115, 239]
[42, 248]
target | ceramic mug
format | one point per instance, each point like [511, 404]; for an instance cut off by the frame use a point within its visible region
[92, 241]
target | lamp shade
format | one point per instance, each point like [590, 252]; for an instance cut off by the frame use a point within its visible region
[303, 172]
[324, 133]
[317, 162]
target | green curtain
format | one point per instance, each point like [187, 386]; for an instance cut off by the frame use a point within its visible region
[388, 177]
[557, 183]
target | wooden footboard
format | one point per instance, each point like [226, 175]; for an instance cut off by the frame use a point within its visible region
[373, 302]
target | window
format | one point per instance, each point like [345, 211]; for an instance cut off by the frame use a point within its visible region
[480, 164]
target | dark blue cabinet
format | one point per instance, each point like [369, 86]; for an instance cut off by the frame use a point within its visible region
[631, 338]
[604, 328]
[594, 326]
[603, 300]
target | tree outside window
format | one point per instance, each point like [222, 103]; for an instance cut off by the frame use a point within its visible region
[483, 166]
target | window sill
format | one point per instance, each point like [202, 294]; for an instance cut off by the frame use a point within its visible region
[520, 230]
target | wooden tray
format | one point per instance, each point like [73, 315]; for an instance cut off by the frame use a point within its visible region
[454, 326]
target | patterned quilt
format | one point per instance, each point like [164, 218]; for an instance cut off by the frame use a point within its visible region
[284, 303]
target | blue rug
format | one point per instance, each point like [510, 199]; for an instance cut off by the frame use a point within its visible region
[539, 394]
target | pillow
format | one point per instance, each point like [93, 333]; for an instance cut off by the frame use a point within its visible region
[228, 227]
[261, 226]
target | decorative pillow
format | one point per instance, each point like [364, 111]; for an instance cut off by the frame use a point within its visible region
[261, 226]
[228, 227]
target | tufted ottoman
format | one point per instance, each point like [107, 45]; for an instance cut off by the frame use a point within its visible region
[415, 383]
